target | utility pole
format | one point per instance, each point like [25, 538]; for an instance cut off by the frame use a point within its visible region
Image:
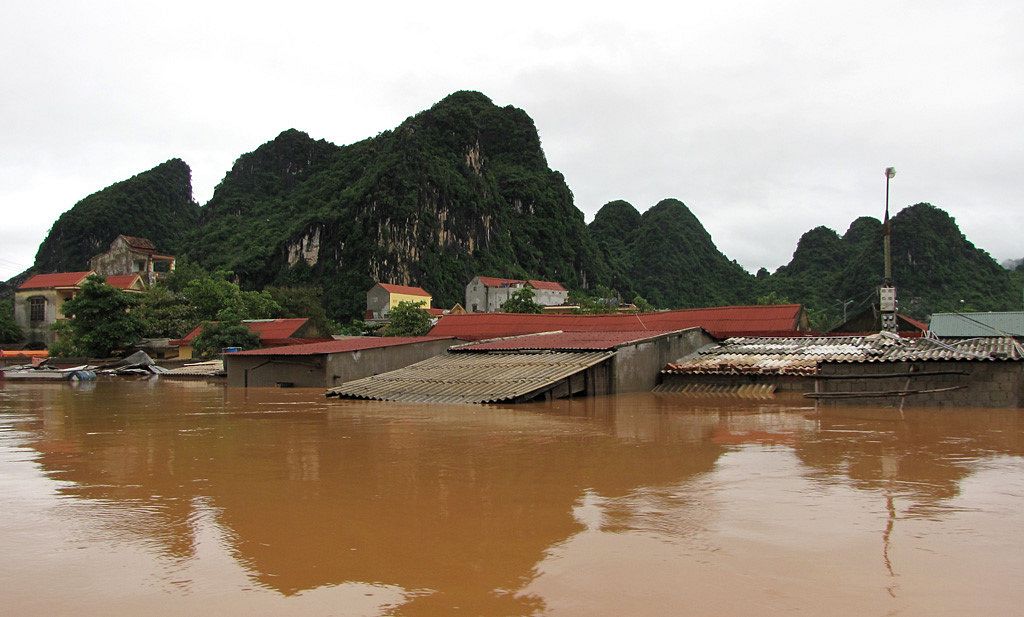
[887, 294]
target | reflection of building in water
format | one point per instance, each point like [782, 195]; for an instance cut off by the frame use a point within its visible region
[461, 503]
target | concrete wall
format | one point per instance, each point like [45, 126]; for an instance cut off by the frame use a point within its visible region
[121, 258]
[988, 384]
[490, 299]
[380, 301]
[637, 367]
[39, 331]
[327, 370]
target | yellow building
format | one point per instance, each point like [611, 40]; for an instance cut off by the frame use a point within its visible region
[383, 297]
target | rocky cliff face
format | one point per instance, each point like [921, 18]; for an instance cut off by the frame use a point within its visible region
[155, 204]
[458, 190]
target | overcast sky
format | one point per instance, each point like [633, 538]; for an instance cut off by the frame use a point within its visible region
[766, 119]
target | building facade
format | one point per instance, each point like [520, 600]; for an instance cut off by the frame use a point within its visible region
[133, 255]
[486, 294]
[383, 297]
[39, 301]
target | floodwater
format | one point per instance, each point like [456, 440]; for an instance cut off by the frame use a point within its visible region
[182, 498]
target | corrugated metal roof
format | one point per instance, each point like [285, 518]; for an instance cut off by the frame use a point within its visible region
[357, 343]
[567, 341]
[404, 289]
[801, 356]
[56, 279]
[471, 378]
[122, 281]
[267, 329]
[722, 322]
[960, 325]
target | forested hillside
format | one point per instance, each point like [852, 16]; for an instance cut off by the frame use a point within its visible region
[155, 204]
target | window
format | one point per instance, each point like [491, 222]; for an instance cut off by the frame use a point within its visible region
[37, 309]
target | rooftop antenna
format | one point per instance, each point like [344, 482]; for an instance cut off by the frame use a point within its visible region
[887, 294]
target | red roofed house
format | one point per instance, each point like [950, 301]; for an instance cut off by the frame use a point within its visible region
[131, 255]
[38, 301]
[486, 294]
[383, 297]
[720, 322]
[272, 333]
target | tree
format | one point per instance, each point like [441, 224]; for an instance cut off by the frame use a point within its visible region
[407, 319]
[642, 304]
[603, 300]
[9, 330]
[216, 335]
[165, 314]
[522, 301]
[302, 302]
[215, 298]
[101, 318]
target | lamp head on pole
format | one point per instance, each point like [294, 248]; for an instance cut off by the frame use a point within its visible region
[890, 172]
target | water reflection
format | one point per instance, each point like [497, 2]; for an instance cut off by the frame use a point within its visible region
[482, 509]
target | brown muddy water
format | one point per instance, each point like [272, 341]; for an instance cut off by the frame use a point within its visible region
[177, 498]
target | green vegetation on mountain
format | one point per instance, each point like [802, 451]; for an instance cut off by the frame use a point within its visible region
[458, 190]
[155, 204]
[935, 268]
[666, 256]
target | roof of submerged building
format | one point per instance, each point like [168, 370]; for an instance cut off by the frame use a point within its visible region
[566, 341]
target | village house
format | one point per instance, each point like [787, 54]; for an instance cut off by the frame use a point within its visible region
[486, 294]
[39, 300]
[272, 333]
[383, 297]
[132, 255]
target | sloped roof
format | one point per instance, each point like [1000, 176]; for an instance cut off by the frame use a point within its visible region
[142, 244]
[56, 279]
[123, 281]
[471, 377]
[404, 289]
[565, 341]
[802, 355]
[978, 324]
[493, 281]
[721, 322]
[267, 329]
[356, 343]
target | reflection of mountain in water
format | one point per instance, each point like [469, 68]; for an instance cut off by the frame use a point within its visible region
[458, 501]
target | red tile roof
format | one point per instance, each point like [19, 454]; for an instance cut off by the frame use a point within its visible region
[721, 322]
[267, 329]
[57, 279]
[122, 281]
[404, 289]
[356, 343]
[567, 341]
[492, 281]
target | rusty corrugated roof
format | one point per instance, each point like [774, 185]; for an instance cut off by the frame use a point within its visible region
[356, 343]
[566, 341]
[802, 355]
[722, 322]
[471, 378]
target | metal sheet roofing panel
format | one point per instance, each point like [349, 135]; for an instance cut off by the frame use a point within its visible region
[960, 325]
[471, 378]
[723, 321]
[565, 341]
[57, 279]
[802, 355]
[357, 343]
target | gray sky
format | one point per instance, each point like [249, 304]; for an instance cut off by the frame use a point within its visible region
[766, 119]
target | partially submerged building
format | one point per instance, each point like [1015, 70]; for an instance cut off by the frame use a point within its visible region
[328, 363]
[39, 301]
[535, 367]
[486, 294]
[133, 255]
[878, 369]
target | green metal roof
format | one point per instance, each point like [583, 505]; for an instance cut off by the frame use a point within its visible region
[960, 325]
